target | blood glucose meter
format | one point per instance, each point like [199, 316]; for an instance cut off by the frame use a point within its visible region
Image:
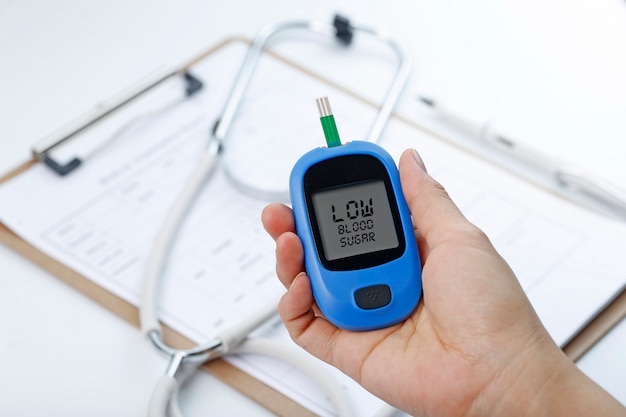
[356, 230]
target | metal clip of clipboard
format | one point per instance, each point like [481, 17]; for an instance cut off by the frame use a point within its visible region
[42, 150]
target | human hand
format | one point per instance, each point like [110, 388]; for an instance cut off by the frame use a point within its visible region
[474, 345]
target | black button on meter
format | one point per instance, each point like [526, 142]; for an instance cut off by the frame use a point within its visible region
[372, 297]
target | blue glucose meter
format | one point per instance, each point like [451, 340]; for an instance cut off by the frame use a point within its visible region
[355, 226]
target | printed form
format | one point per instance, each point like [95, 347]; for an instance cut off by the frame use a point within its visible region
[102, 219]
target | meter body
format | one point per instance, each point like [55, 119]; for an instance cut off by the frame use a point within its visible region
[359, 246]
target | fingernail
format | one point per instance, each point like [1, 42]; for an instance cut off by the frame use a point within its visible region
[418, 159]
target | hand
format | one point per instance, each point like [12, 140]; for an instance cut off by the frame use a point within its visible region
[474, 345]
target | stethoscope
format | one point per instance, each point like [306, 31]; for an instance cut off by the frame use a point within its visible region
[183, 362]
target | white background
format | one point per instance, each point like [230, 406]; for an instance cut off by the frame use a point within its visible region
[550, 72]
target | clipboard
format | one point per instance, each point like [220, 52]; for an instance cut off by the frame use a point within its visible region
[266, 396]
[233, 376]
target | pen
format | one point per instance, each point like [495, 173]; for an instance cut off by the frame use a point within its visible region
[567, 177]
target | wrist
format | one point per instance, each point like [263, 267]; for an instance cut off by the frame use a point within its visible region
[524, 381]
[542, 381]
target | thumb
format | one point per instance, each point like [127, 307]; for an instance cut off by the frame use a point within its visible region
[432, 210]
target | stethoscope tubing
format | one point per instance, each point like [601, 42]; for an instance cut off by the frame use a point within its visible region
[164, 400]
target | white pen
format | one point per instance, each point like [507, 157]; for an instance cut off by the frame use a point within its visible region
[566, 176]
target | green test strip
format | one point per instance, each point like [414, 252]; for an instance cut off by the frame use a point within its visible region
[328, 122]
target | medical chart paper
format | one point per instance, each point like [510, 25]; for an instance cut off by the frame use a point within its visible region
[101, 219]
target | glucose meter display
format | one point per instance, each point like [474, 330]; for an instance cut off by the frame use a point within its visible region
[354, 219]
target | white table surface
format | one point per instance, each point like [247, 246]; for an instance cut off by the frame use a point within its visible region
[550, 71]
